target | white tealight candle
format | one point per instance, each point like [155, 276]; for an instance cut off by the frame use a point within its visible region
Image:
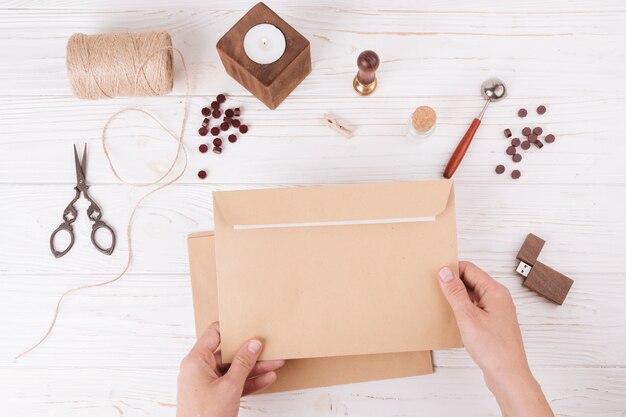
[264, 43]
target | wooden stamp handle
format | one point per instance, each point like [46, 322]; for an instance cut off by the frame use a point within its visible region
[368, 63]
[461, 149]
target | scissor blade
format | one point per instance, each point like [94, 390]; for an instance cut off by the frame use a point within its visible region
[83, 164]
[80, 176]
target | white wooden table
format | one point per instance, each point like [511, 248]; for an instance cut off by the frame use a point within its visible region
[115, 350]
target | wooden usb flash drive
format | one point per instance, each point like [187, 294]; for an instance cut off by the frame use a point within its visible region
[539, 277]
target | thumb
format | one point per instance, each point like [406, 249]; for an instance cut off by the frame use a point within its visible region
[455, 292]
[244, 361]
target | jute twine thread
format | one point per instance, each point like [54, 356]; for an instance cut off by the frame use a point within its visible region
[140, 87]
[116, 64]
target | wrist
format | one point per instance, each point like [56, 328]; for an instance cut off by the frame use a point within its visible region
[518, 393]
[501, 381]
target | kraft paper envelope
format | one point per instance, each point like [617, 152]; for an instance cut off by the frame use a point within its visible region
[336, 270]
[297, 373]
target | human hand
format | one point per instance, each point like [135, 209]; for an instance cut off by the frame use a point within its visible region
[487, 320]
[208, 388]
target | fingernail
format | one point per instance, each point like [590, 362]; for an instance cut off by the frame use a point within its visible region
[254, 346]
[446, 275]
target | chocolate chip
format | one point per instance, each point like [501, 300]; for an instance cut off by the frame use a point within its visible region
[522, 112]
[526, 131]
[229, 113]
[203, 148]
[515, 174]
[202, 131]
[538, 131]
[538, 144]
[532, 138]
[216, 114]
[202, 174]
[205, 122]
[217, 150]
[220, 98]
[549, 138]
[215, 105]
[235, 122]
[227, 119]
[541, 109]
[217, 142]
[232, 138]
[525, 145]
[243, 128]
[224, 126]
[515, 142]
[507, 133]
[237, 111]
[206, 111]
[215, 131]
[511, 150]
[500, 169]
[516, 158]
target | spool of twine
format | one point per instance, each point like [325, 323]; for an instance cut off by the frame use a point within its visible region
[120, 64]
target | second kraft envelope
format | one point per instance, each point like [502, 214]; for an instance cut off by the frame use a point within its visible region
[336, 270]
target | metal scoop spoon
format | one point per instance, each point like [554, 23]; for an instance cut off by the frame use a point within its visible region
[492, 90]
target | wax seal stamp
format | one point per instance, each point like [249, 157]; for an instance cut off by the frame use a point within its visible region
[365, 80]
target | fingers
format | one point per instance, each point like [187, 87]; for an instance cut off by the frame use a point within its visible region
[455, 292]
[244, 361]
[486, 289]
[266, 366]
[258, 369]
[259, 383]
[475, 277]
[209, 340]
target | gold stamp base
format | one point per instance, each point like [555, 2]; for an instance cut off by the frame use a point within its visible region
[364, 89]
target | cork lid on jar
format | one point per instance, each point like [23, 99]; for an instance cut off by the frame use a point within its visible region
[423, 119]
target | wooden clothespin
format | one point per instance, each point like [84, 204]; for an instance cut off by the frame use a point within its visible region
[338, 125]
[539, 277]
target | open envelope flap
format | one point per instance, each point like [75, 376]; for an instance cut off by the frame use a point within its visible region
[334, 203]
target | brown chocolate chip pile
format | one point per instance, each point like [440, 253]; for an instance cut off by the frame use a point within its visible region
[532, 136]
[222, 125]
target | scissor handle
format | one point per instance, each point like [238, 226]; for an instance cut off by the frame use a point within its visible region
[67, 227]
[99, 224]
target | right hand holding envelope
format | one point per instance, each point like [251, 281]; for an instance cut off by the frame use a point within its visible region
[487, 319]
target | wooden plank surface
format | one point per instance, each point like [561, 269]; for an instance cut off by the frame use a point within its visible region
[116, 349]
[110, 392]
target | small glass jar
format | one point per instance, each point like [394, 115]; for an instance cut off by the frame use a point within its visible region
[422, 122]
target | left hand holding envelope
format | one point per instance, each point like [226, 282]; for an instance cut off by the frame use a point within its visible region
[208, 388]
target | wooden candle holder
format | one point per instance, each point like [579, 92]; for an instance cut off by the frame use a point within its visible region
[270, 83]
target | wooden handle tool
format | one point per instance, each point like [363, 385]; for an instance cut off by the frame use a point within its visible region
[492, 89]
[461, 149]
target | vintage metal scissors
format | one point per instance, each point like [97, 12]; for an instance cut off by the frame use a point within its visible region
[93, 212]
